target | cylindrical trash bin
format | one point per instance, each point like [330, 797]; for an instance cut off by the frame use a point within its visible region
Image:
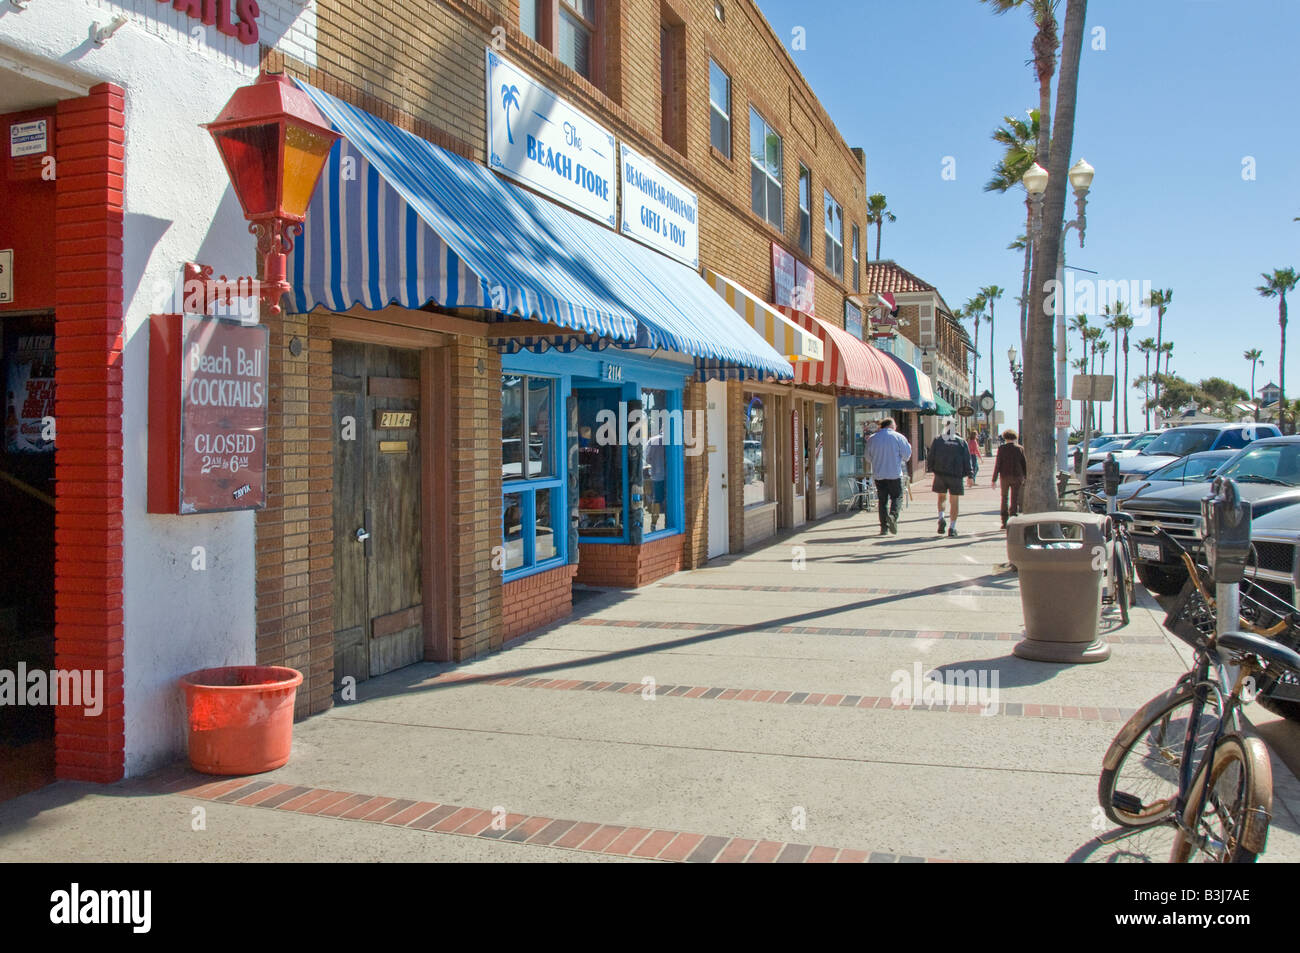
[1060, 558]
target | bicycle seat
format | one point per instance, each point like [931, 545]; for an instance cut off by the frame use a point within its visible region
[1267, 649]
[1125, 518]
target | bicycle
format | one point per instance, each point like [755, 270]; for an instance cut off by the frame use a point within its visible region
[1182, 759]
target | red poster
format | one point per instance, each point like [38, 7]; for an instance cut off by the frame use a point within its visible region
[29, 393]
[208, 396]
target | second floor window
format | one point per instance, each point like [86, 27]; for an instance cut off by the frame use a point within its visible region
[834, 237]
[719, 109]
[857, 275]
[765, 162]
[805, 210]
[577, 29]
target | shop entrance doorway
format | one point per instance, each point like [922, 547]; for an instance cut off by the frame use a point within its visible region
[26, 547]
[378, 610]
[716, 422]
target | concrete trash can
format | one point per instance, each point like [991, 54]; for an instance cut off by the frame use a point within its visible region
[1056, 556]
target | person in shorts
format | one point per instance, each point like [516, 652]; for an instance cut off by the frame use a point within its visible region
[949, 461]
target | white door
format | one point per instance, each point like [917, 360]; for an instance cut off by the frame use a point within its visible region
[719, 527]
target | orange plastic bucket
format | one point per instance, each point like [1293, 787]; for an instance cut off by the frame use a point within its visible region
[240, 717]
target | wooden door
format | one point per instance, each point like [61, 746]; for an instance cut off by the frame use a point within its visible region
[378, 611]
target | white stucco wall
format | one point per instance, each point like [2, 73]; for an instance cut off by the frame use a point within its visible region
[179, 207]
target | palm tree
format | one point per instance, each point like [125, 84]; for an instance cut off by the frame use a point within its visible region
[1112, 312]
[878, 214]
[1277, 285]
[990, 294]
[1125, 322]
[1256, 358]
[1146, 347]
[1040, 386]
[1168, 349]
[974, 309]
[1080, 323]
[1160, 301]
[509, 97]
[1020, 137]
[1093, 335]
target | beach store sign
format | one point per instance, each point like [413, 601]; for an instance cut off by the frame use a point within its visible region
[538, 139]
[658, 210]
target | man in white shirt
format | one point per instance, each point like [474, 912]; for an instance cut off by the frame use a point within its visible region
[889, 451]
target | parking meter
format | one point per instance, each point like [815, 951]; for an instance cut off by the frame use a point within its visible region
[1225, 518]
[1110, 474]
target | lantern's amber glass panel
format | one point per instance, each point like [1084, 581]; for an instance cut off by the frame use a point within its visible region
[304, 157]
[250, 153]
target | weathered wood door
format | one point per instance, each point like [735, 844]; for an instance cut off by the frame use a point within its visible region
[378, 612]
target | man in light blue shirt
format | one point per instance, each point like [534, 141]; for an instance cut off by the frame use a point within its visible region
[889, 452]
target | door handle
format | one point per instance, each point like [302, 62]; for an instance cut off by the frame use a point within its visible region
[362, 534]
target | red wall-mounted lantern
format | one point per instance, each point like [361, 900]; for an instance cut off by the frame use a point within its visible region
[274, 143]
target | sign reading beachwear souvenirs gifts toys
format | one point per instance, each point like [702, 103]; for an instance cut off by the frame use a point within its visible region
[208, 398]
[659, 210]
[792, 281]
[539, 139]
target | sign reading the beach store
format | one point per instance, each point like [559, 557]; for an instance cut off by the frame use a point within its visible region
[659, 210]
[208, 399]
[792, 281]
[539, 139]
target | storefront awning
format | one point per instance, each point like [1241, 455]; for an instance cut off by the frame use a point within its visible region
[850, 366]
[942, 408]
[920, 390]
[398, 219]
[777, 330]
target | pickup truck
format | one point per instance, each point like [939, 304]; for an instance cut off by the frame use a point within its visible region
[1267, 473]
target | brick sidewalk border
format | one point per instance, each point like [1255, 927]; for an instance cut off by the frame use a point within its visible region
[777, 697]
[497, 824]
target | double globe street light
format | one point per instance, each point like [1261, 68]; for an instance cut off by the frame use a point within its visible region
[1035, 182]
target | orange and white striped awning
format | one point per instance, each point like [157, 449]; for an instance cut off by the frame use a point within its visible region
[788, 338]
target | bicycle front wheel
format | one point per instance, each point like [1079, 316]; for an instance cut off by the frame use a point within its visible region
[1233, 826]
[1139, 776]
[1121, 582]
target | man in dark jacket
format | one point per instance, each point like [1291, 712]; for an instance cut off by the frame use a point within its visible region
[949, 461]
[1010, 464]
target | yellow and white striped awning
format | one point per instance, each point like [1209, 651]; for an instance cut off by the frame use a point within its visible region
[778, 330]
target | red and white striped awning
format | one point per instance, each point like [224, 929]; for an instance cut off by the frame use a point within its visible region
[850, 366]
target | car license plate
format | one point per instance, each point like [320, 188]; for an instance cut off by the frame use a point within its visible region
[1149, 551]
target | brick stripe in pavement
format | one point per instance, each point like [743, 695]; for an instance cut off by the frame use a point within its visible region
[804, 698]
[856, 590]
[589, 836]
[841, 630]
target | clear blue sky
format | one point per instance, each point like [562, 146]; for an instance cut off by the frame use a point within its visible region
[1182, 93]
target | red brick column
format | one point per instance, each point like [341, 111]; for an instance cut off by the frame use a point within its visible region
[88, 632]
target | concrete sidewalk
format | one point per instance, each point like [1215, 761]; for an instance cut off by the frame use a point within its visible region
[741, 711]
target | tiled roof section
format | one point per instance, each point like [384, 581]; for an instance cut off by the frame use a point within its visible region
[888, 276]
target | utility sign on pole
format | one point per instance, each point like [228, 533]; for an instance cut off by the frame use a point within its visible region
[1092, 387]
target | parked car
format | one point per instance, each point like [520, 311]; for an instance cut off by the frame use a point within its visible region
[1181, 441]
[1275, 540]
[1193, 468]
[1130, 448]
[1267, 473]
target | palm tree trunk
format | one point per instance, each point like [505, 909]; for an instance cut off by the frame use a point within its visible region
[993, 378]
[879, 226]
[975, 364]
[1024, 282]
[1040, 486]
[1281, 366]
[1160, 326]
[1146, 395]
[1125, 385]
[1114, 404]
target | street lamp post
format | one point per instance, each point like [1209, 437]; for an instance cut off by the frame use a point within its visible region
[1035, 182]
[1017, 377]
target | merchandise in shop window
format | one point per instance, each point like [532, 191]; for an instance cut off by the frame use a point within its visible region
[29, 392]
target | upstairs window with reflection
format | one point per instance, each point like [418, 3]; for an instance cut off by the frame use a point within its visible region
[533, 501]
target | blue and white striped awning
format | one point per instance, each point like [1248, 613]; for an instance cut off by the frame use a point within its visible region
[396, 219]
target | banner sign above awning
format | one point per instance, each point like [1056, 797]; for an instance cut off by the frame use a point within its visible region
[537, 138]
[658, 210]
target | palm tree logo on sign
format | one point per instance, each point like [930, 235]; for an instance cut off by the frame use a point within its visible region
[509, 97]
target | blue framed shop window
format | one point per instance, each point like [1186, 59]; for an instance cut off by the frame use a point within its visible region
[664, 473]
[533, 496]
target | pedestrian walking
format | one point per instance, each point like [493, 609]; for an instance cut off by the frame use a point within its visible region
[888, 450]
[950, 462]
[974, 444]
[1010, 464]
